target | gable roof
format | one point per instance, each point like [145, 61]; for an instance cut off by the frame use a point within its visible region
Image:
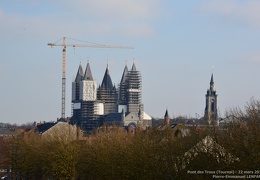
[146, 116]
[61, 131]
[208, 145]
[45, 126]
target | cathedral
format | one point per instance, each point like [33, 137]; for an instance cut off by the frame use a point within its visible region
[94, 105]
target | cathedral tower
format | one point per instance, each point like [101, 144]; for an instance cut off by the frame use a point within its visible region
[84, 99]
[76, 84]
[122, 100]
[211, 114]
[76, 102]
[92, 105]
[107, 94]
[134, 90]
[88, 87]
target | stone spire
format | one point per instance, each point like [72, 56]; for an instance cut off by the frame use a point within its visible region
[107, 82]
[124, 76]
[80, 74]
[88, 74]
[123, 87]
[167, 117]
[211, 83]
[133, 67]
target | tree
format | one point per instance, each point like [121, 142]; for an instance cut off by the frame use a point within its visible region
[242, 135]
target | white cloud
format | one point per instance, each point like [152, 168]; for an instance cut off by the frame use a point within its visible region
[105, 9]
[102, 17]
[246, 12]
[115, 9]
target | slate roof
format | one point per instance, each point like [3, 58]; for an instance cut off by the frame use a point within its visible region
[88, 74]
[133, 67]
[45, 126]
[107, 81]
[124, 76]
[114, 116]
[80, 74]
[166, 114]
[211, 80]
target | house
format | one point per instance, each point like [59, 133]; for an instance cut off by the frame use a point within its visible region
[62, 131]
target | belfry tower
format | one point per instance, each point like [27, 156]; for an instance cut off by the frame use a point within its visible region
[211, 114]
[167, 118]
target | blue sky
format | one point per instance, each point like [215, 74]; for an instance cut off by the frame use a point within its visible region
[176, 44]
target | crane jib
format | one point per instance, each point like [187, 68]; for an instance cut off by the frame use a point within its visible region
[64, 63]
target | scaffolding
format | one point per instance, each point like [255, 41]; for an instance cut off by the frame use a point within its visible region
[134, 91]
[75, 99]
[88, 108]
[109, 98]
[123, 94]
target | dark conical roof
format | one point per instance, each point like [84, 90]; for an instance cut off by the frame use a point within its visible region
[211, 83]
[133, 67]
[166, 114]
[107, 81]
[88, 74]
[80, 74]
[211, 80]
[124, 76]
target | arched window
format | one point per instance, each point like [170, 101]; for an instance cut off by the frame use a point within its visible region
[212, 105]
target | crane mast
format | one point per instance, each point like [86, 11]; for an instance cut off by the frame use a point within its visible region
[63, 95]
[64, 45]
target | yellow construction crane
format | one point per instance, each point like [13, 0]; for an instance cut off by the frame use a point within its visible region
[64, 45]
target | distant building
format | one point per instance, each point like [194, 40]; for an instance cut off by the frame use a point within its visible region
[94, 105]
[167, 118]
[62, 131]
[7, 132]
[211, 111]
[210, 147]
[42, 127]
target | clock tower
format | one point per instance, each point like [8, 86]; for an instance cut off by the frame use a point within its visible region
[211, 114]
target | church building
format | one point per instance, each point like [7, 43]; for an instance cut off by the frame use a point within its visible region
[211, 110]
[95, 105]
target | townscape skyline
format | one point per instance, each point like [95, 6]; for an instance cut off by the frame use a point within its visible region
[176, 43]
